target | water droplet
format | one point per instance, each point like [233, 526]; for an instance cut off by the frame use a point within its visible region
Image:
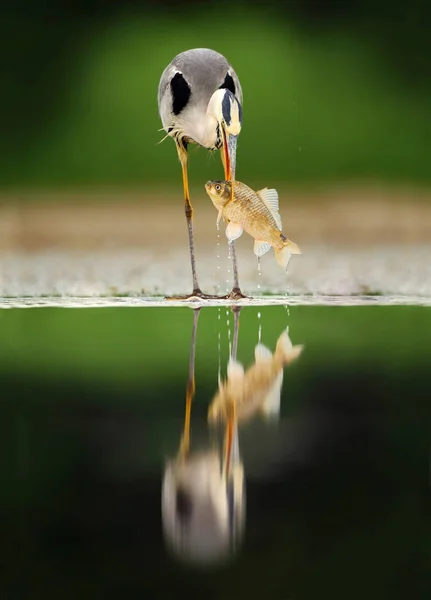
[258, 271]
[259, 330]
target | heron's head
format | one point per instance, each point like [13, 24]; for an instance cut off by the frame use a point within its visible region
[203, 510]
[227, 111]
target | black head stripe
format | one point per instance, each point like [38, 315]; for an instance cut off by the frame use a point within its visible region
[228, 84]
[180, 93]
[226, 107]
[239, 112]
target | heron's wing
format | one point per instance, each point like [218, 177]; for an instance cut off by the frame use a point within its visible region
[164, 96]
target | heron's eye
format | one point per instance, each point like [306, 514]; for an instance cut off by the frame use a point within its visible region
[218, 187]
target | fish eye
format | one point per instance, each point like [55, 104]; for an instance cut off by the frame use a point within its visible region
[218, 187]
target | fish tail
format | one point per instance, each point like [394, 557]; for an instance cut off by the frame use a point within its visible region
[284, 350]
[283, 254]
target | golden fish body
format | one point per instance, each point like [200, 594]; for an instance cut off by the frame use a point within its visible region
[258, 389]
[253, 212]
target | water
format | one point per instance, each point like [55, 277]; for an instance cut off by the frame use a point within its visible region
[337, 488]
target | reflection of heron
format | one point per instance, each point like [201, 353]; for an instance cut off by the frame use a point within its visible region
[199, 100]
[203, 495]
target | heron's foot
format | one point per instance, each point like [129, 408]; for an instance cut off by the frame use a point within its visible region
[236, 294]
[197, 295]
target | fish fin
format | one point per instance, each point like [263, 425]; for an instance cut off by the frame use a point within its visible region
[235, 371]
[262, 354]
[277, 219]
[293, 248]
[233, 231]
[284, 350]
[271, 404]
[261, 247]
[270, 198]
[283, 254]
[219, 216]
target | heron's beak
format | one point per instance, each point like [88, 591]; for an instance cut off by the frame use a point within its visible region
[229, 157]
[231, 151]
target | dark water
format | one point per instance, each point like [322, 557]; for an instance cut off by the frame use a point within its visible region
[328, 498]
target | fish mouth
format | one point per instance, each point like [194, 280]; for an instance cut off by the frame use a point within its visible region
[209, 186]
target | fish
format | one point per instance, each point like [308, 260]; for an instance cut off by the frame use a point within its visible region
[253, 212]
[256, 390]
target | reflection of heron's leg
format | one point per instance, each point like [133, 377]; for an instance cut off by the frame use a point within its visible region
[190, 392]
[236, 310]
[231, 425]
[231, 441]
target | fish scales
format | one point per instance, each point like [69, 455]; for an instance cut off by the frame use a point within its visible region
[248, 209]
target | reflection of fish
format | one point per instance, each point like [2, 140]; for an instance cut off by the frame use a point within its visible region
[258, 388]
[256, 213]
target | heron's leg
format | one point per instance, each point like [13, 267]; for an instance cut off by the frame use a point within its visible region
[188, 208]
[196, 293]
[232, 425]
[236, 293]
[190, 391]
[231, 435]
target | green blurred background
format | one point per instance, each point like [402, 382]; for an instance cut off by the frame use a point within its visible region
[332, 90]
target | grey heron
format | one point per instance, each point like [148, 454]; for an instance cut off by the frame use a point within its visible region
[199, 99]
